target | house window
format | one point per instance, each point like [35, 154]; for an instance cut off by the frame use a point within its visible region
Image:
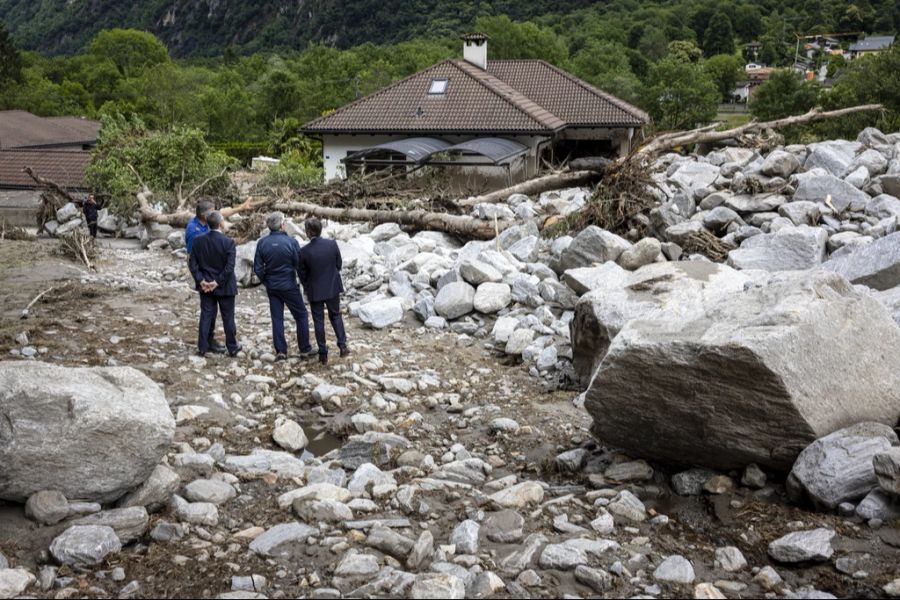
[438, 87]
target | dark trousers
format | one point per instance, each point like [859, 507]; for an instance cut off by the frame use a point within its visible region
[293, 299]
[337, 323]
[92, 227]
[209, 305]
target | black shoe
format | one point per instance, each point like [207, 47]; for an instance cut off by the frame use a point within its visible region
[201, 354]
[307, 355]
[217, 348]
[323, 360]
[235, 353]
[345, 351]
[280, 356]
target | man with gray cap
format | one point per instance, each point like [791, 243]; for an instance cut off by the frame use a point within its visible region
[276, 264]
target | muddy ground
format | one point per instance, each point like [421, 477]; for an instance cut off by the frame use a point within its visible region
[137, 310]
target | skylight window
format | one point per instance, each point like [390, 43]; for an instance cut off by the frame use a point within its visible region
[438, 87]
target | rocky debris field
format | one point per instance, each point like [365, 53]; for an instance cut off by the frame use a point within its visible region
[522, 417]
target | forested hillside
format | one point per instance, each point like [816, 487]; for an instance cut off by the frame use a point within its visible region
[208, 28]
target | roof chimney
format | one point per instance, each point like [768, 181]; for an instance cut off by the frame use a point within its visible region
[475, 49]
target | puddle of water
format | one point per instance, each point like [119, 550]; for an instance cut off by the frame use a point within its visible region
[321, 441]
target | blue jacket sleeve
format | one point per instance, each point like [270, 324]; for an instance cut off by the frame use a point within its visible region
[302, 269]
[259, 265]
[339, 260]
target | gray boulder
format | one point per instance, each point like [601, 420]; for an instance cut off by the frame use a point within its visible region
[85, 545]
[781, 339]
[281, 540]
[382, 313]
[128, 523]
[243, 265]
[68, 212]
[883, 206]
[803, 546]
[746, 203]
[47, 507]
[592, 245]
[455, 300]
[79, 411]
[843, 195]
[833, 156]
[887, 470]
[838, 467]
[779, 164]
[492, 297]
[788, 249]
[619, 297]
[876, 265]
[642, 253]
[880, 505]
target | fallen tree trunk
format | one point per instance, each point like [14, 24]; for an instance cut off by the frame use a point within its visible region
[464, 226]
[538, 185]
[181, 218]
[708, 135]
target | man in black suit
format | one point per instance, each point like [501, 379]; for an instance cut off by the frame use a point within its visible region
[276, 263]
[320, 274]
[212, 266]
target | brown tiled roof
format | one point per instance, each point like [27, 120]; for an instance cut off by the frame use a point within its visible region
[571, 99]
[514, 96]
[21, 129]
[472, 102]
[61, 167]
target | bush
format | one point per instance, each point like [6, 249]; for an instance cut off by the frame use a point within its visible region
[294, 172]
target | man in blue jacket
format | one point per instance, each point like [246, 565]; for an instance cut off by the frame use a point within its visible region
[212, 266]
[197, 225]
[277, 263]
[320, 274]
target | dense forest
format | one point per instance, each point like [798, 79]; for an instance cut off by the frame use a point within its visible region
[247, 75]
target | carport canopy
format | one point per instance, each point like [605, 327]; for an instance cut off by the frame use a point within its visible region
[420, 150]
[416, 149]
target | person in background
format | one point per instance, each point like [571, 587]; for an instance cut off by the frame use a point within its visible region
[197, 225]
[212, 267]
[277, 263]
[320, 274]
[90, 214]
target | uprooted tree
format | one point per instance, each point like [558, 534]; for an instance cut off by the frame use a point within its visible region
[177, 164]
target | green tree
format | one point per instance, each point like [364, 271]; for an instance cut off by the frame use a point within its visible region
[868, 80]
[174, 164]
[606, 66]
[784, 94]
[748, 22]
[510, 39]
[129, 49]
[725, 70]
[719, 37]
[685, 51]
[681, 95]
[653, 44]
[10, 61]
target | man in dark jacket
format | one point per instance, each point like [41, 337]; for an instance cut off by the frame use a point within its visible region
[212, 266]
[277, 263]
[320, 274]
[90, 214]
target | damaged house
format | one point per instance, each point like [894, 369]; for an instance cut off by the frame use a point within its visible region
[493, 122]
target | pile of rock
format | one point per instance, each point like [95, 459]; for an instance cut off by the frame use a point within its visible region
[69, 218]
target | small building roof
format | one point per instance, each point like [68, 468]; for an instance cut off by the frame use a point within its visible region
[59, 166]
[21, 129]
[509, 97]
[873, 43]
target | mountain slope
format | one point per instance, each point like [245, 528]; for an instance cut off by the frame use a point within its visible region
[208, 27]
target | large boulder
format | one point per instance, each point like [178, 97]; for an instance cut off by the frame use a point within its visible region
[839, 466]
[835, 156]
[842, 194]
[455, 300]
[382, 313]
[787, 249]
[723, 380]
[91, 433]
[876, 264]
[592, 246]
[617, 297]
[243, 265]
